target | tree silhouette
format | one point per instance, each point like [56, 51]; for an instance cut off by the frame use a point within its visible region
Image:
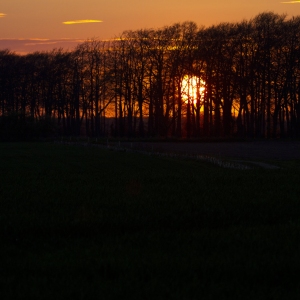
[133, 85]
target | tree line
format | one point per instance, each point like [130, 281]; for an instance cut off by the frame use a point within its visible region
[135, 85]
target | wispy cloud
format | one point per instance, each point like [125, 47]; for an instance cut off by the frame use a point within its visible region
[40, 43]
[81, 22]
[38, 39]
[2, 15]
[24, 46]
[291, 2]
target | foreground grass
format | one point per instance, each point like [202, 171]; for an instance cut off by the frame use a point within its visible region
[88, 223]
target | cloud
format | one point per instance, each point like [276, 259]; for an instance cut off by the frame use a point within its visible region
[81, 22]
[24, 46]
[2, 15]
[44, 43]
[38, 39]
[35, 41]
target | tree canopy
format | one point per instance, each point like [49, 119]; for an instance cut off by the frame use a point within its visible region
[246, 82]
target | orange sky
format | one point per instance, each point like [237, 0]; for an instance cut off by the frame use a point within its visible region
[56, 23]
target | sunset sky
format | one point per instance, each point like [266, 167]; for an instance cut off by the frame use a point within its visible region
[30, 25]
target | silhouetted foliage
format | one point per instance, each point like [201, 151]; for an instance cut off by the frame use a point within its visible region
[19, 127]
[133, 85]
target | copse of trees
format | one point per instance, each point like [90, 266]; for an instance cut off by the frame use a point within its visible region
[134, 85]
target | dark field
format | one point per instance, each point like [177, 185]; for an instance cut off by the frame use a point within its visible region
[88, 223]
[261, 150]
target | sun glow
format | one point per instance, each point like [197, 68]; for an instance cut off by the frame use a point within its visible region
[193, 88]
[81, 22]
[2, 15]
[291, 2]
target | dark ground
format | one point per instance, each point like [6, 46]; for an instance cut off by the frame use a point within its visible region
[261, 150]
[87, 223]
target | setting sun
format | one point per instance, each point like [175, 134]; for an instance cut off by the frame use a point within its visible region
[192, 89]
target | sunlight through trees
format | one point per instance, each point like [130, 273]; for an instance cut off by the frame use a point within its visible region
[232, 79]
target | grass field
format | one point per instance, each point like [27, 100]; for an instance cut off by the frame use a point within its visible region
[88, 223]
